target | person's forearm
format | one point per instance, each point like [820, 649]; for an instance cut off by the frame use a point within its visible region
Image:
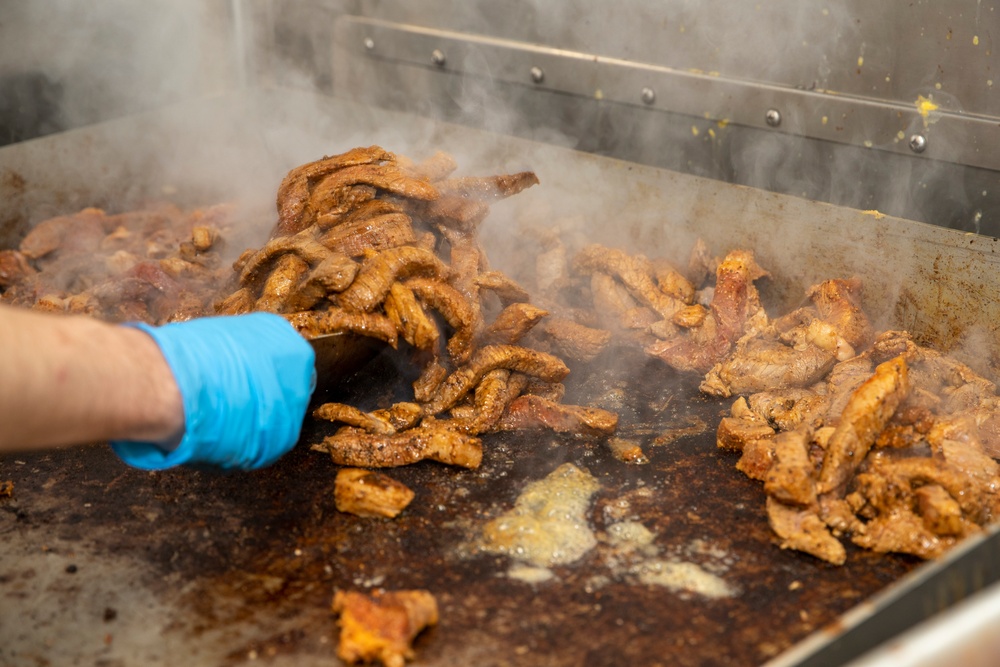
[72, 379]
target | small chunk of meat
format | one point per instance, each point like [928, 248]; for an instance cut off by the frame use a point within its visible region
[506, 289]
[312, 323]
[369, 493]
[382, 626]
[574, 341]
[635, 272]
[511, 325]
[410, 318]
[803, 530]
[281, 283]
[839, 303]
[766, 364]
[901, 531]
[791, 478]
[334, 274]
[357, 237]
[352, 416]
[455, 310]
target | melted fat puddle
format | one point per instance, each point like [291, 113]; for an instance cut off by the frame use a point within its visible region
[548, 527]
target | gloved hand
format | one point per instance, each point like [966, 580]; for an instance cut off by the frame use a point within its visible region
[245, 382]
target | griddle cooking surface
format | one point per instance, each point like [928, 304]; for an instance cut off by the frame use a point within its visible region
[248, 563]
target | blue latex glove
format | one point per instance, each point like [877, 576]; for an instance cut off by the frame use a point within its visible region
[245, 380]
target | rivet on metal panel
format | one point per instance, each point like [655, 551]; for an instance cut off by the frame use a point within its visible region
[918, 143]
[773, 117]
[369, 43]
[648, 95]
[437, 57]
[537, 75]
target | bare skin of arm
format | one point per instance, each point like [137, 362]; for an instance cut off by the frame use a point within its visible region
[68, 380]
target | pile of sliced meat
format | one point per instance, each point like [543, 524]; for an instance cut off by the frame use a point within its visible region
[856, 434]
[156, 265]
[373, 244]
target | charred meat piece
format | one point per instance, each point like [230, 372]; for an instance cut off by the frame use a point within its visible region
[369, 493]
[435, 440]
[381, 627]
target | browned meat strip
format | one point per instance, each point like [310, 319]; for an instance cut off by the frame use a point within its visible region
[352, 416]
[791, 478]
[456, 311]
[431, 440]
[670, 281]
[331, 201]
[512, 324]
[900, 530]
[356, 238]
[789, 408]
[521, 359]
[381, 627]
[803, 530]
[533, 412]
[369, 493]
[503, 286]
[574, 341]
[317, 323]
[400, 416]
[379, 272]
[864, 416]
[635, 272]
[65, 235]
[839, 303]
[765, 364]
[333, 274]
[280, 284]
[429, 380]
[293, 193]
[412, 323]
[488, 187]
[256, 268]
[239, 302]
[493, 394]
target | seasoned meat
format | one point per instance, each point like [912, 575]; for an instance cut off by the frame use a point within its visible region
[803, 530]
[765, 364]
[521, 359]
[412, 322]
[257, 268]
[435, 440]
[65, 235]
[356, 238]
[512, 324]
[532, 412]
[839, 303]
[672, 282]
[379, 272]
[332, 275]
[294, 191]
[864, 416]
[281, 283]
[335, 320]
[381, 627]
[369, 493]
[492, 396]
[791, 478]
[455, 310]
[788, 408]
[14, 268]
[574, 341]
[503, 286]
[635, 272]
[352, 416]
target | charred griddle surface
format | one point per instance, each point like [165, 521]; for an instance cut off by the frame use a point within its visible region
[267, 549]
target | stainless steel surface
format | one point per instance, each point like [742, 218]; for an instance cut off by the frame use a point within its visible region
[938, 283]
[814, 112]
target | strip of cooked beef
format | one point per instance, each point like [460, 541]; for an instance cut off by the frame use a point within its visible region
[521, 359]
[293, 193]
[280, 285]
[411, 320]
[865, 415]
[381, 627]
[492, 396]
[528, 412]
[356, 238]
[332, 275]
[573, 341]
[313, 323]
[378, 273]
[369, 493]
[63, 235]
[512, 324]
[636, 272]
[791, 478]
[256, 268]
[352, 416]
[506, 289]
[803, 530]
[435, 440]
[455, 310]
[839, 303]
[764, 363]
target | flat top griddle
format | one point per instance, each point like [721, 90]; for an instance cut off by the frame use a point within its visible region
[245, 565]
